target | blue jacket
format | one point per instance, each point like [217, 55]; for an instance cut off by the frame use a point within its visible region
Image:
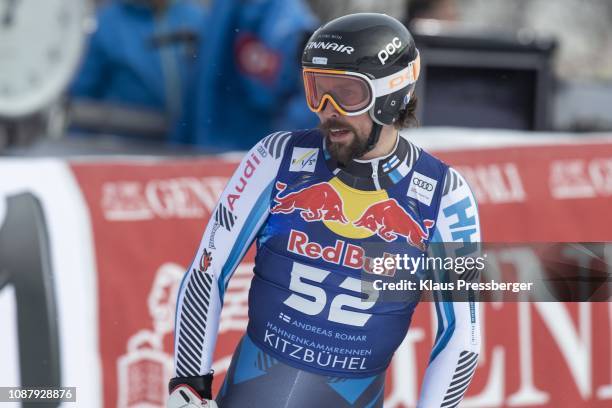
[123, 65]
[249, 76]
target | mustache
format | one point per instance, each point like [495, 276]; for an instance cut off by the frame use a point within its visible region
[335, 124]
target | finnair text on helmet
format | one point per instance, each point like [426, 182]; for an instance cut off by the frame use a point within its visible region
[390, 49]
[330, 46]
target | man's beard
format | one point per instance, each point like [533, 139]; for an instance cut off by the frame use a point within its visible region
[343, 153]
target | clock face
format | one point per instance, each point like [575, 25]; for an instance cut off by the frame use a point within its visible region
[40, 47]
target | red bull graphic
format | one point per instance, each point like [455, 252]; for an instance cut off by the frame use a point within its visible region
[205, 261]
[342, 253]
[318, 202]
[389, 220]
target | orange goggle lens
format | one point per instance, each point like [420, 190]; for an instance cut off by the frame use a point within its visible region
[349, 94]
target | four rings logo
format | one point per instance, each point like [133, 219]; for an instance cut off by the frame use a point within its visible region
[422, 188]
[423, 184]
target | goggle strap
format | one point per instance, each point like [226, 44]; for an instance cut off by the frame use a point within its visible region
[401, 79]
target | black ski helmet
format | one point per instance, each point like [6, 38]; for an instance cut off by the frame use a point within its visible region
[373, 44]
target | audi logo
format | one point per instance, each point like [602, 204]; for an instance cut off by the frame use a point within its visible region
[422, 183]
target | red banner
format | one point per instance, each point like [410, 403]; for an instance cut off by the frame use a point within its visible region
[148, 218]
[540, 193]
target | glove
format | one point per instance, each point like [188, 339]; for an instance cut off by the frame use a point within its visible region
[184, 396]
[191, 392]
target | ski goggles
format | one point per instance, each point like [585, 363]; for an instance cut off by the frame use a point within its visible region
[353, 93]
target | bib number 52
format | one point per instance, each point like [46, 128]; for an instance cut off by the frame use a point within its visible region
[315, 298]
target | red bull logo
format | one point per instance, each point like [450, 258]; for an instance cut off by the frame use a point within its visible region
[318, 202]
[342, 253]
[389, 220]
[382, 216]
[205, 261]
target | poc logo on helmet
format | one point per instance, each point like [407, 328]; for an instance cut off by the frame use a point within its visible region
[390, 49]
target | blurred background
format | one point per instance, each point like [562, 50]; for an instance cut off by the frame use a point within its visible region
[189, 76]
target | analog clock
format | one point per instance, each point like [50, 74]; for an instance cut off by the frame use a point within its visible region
[40, 48]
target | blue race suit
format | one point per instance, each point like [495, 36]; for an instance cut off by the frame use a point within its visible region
[307, 313]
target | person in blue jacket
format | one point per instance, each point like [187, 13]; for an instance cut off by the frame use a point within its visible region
[249, 72]
[142, 55]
